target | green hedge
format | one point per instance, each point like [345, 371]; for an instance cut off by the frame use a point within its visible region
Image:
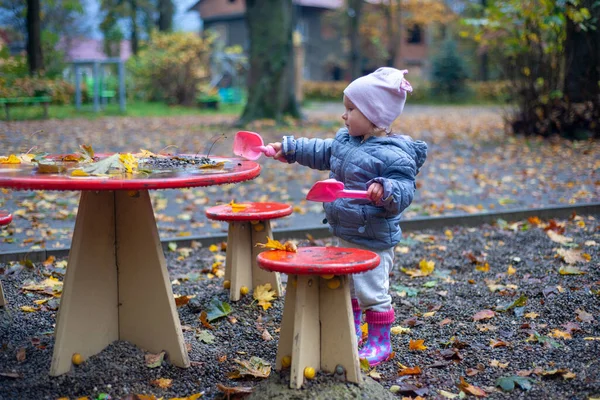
[62, 92]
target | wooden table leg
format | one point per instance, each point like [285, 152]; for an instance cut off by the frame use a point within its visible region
[259, 275]
[2, 298]
[306, 349]
[338, 339]
[116, 285]
[240, 247]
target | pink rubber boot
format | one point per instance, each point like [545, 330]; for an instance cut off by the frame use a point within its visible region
[357, 312]
[378, 347]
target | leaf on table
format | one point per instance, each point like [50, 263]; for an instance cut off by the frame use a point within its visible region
[217, 309]
[264, 295]
[256, 367]
[107, 166]
[276, 245]
[162, 383]
[237, 207]
[11, 159]
[234, 390]
[129, 162]
[508, 383]
[154, 360]
[470, 389]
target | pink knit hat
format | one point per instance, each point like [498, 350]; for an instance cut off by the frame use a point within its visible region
[380, 96]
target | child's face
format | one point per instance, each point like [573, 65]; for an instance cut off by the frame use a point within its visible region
[356, 122]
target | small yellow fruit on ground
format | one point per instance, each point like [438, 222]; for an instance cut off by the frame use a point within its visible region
[286, 361]
[244, 290]
[77, 359]
[334, 283]
[309, 372]
[327, 276]
[226, 284]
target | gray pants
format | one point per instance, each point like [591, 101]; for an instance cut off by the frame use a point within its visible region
[371, 288]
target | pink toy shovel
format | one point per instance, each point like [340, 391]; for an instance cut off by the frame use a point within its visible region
[330, 189]
[250, 145]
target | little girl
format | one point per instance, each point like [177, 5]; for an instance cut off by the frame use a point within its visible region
[366, 156]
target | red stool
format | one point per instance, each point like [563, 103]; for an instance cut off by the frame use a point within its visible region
[317, 328]
[247, 227]
[5, 219]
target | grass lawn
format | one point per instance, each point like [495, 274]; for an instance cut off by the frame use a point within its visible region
[133, 109]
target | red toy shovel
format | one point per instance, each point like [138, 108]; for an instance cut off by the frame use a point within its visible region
[330, 189]
[250, 145]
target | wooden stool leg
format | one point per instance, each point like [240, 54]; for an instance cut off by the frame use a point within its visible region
[286, 334]
[338, 339]
[148, 317]
[259, 275]
[241, 258]
[2, 298]
[229, 253]
[88, 317]
[306, 351]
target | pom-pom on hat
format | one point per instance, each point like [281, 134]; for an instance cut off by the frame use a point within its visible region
[380, 96]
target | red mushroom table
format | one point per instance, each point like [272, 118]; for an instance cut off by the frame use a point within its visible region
[117, 286]
[317, 329]
[249, 223]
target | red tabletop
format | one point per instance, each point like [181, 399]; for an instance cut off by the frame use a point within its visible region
[25, 177]
[319, 261]
[5, 218]
[249, 211]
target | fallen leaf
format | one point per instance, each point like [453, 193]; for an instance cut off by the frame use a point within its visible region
[483, 314]
[507, 383]
[266, 336]
[154, 360]
[409, 371]
[235, 207]
[263, 294]
[256, 367]
[572, 256]
[21, 354]
[531, 315]
[557, 333]
[417, 345]
[470, 389]
[217, 309]
[276, 245]
[584, 316]
[204, 320]
[399, 330]
[233, 390]
[558, 238]
[162, 383]
[205, 336]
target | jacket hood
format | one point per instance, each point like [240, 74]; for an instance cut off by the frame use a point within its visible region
[417, 149]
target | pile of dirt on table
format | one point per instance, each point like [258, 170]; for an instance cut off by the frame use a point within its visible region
[507, 311]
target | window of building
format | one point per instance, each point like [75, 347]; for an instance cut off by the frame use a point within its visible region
[414, 34]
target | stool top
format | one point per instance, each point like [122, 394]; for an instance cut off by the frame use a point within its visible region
[5, 218]
[319, 261]
[251, 212]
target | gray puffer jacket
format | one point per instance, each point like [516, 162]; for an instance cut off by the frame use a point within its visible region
[393, 161]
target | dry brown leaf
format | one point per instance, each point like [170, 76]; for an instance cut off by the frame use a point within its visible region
[470, 389]
[417, 345]
[162, 383]
[484, 314]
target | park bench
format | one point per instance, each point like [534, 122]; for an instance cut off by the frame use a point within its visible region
[317, 328]
[249, 223]
[9, 101]
[5, 219]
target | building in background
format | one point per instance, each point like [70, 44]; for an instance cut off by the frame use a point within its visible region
[325, 49]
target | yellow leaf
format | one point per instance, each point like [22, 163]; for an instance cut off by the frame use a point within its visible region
[511, 270]
[11, 159]
[531, 315]
[192, 397]
[263, 294]
[235, 207]
[398, 330]
[213, 248]
[129, 162]
[417, 345]
[29, 309]
[557, 333]
[79, 172]
[275, 245]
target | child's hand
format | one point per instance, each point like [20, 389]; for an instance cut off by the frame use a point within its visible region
[278, 152]
[375, 192]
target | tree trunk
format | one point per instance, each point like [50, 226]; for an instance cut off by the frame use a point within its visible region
[483, 57]
[582, 58]
[134, 28]
[354, 14]
[34, 38]
[165, 15]
[271, 92]
[395, 27]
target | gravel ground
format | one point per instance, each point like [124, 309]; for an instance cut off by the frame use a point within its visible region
[550, 338]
